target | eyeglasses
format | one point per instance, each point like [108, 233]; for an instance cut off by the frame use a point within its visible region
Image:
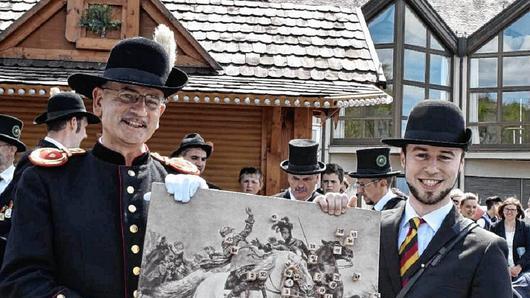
[152, 102]
[363, 185]
[510, 209]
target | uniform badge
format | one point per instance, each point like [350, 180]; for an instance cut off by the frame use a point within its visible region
[178, 163]
[53, 157]
[48, 157]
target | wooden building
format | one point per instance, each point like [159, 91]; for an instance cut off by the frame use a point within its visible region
[259, 71]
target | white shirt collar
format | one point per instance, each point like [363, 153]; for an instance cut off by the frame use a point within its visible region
[382, 202]
[55, 142]
[7, 174]
[434, 219]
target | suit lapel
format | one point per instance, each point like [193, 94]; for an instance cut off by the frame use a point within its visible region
[389, 249]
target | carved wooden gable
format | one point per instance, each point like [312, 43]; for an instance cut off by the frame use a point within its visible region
[85, 30]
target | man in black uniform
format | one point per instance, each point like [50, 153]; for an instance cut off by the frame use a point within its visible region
[80, 217]
[303, 171]
[374, 179]
[66, 119]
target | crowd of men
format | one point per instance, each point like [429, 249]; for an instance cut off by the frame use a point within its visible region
[77, 218]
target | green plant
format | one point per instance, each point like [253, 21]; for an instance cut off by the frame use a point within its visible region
[97, 18]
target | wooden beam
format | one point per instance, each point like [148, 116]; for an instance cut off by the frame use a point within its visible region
[47, 54]
[265, 124]
[303, 123]
[132, 19]
[74, 10]
[36, 20]
[95, 43]
[274, 155]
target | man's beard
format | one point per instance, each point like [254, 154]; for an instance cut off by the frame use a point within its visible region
[430, 198]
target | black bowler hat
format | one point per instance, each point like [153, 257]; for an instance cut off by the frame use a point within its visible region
[137, 61]
[437, 123]
[10, 130]
[303, 158]
[193, 140]
[373, 163]
[64, 105]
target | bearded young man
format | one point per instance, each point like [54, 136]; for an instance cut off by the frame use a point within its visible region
[412, 236]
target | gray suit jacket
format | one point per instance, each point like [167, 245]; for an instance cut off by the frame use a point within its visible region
[475, 267]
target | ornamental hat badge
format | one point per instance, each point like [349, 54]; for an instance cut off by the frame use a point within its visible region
[16, 131]
[381, 160]
[10, 131]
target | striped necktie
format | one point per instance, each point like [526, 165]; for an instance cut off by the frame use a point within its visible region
[408, 251]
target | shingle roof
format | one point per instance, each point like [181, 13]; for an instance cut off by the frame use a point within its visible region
[273, 40]
[462, 16]
[12, 10]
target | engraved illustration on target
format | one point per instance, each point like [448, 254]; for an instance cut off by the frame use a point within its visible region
[227, 244]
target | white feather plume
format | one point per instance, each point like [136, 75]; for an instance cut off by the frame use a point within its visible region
[54, 91]
[165, 37]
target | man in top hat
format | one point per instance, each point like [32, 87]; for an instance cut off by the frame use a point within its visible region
[10, 144]
[412, 236]
[491, 216]
[66, 119]
[303, 170]
[194, 149]
[79, 225]
[374, 179]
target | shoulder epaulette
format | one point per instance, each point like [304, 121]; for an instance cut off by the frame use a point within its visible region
[177, 163]
[53, 157]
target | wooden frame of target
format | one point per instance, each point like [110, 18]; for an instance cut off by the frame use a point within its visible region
[228, 244]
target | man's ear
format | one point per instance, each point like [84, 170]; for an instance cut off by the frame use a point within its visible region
[72, 122]
[402, 158]
[97, 95]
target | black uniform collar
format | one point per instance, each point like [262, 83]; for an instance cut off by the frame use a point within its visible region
[114, 157]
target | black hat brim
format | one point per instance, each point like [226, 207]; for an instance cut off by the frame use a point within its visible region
[43, 118]
[368, 175]
[21, 147]
[207, 148]
[405, 141]
[85, 83]
[285, 166]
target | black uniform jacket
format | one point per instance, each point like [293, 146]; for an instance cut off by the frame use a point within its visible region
[74, 227]
[521, 241]
[475, 267]
[7, 197]
[287, 195]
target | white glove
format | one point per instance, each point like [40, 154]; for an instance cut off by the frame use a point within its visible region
[183, 187]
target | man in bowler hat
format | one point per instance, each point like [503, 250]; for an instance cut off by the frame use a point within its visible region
[194, 149]
[374, 179]
[303, 170]
[432, 155]
[10, 144]
[79, 225]
[66, 119]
